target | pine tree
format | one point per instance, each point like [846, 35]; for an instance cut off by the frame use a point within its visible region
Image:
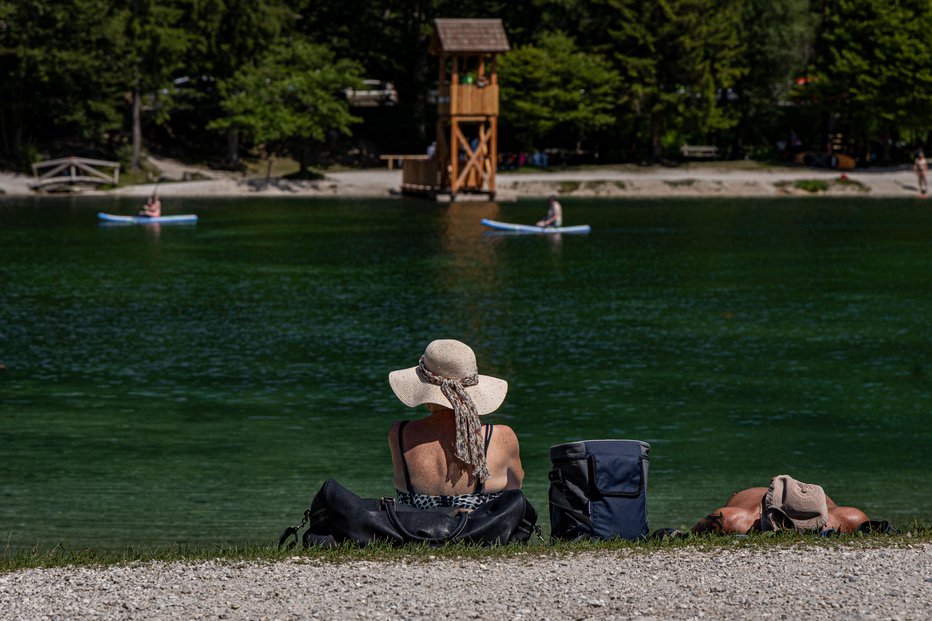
[876, 73]
[674, 57]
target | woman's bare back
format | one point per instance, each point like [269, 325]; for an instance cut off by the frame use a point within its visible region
[429, 451]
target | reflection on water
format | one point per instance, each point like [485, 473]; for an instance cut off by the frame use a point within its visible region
[198, 383]
[153, 231]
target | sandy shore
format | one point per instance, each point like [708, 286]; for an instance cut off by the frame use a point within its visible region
[690, 180]
[779, 582]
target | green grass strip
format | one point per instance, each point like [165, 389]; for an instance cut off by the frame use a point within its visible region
[60, 556]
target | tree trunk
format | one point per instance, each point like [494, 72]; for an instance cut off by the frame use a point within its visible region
[268, 170]
[17, 111]
[418, 69]
[737, 143]
[232, 146]
[655, 136]
[3, 138]
[826, 145]
[18, 141]
[137, 131]
[302, 159]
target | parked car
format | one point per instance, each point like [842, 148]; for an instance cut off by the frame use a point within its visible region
[374, 93]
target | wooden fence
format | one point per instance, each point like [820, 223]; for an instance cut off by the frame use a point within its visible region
[74, 171]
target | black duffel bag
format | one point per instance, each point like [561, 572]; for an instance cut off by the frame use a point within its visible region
[337, 515]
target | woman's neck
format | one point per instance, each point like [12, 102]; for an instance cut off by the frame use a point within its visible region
[441, 414]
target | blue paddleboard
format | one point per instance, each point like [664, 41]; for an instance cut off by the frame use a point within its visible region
[526, 228]
[106, 217]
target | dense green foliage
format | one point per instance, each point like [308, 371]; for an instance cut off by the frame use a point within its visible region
[288, 95]
[554, 89]
[626, 80]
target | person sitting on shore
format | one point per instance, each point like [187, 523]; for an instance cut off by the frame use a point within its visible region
[152, 208]
[449, 458]
[554, 214]
[787, 504]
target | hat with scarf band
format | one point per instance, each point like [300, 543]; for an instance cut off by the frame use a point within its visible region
[447, 375]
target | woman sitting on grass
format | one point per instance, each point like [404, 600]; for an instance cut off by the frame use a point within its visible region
[449, 458]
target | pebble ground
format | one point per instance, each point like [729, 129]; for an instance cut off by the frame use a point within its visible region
[809, 582]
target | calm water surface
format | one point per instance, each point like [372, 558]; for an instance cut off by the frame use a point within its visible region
[198, 383]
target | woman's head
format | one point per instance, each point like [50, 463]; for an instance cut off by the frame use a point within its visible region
[450, 360]
[712, 523]
[447, 375]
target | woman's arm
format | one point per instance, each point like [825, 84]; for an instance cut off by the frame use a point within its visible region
[511, 453]
[396, 456]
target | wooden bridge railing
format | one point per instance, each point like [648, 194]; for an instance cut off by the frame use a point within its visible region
[74, 171]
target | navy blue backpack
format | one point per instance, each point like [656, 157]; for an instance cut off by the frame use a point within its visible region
[598, 489]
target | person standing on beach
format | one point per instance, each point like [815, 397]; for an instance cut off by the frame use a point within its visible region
[554, 214]
[921, 166]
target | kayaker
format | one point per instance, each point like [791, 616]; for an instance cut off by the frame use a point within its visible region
[787, 504]
[554, 214]
[152, 208]
[450, 458]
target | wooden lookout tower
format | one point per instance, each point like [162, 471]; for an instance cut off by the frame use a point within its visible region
[466, 152]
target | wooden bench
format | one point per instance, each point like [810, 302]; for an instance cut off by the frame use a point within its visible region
[393, 158]
[704, 151]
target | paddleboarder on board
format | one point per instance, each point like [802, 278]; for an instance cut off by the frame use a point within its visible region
[554, 214]
[152, 208]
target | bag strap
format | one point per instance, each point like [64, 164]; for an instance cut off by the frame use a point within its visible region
[558, 498]
[388, 504]
[529, 527]
[293, 530]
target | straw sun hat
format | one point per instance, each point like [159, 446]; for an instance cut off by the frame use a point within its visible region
[792, 504]
[451, 360]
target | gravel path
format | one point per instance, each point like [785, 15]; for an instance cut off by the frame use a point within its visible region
[817, 582]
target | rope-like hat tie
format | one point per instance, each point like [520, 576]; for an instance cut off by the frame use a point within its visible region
[469, 447]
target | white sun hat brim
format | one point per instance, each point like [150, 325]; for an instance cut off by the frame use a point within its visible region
[488, 395]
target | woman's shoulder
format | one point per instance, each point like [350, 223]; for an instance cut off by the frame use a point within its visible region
[503, 435]
[499, 428]
[393, 430]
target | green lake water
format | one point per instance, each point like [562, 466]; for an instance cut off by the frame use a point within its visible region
[198, 383]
